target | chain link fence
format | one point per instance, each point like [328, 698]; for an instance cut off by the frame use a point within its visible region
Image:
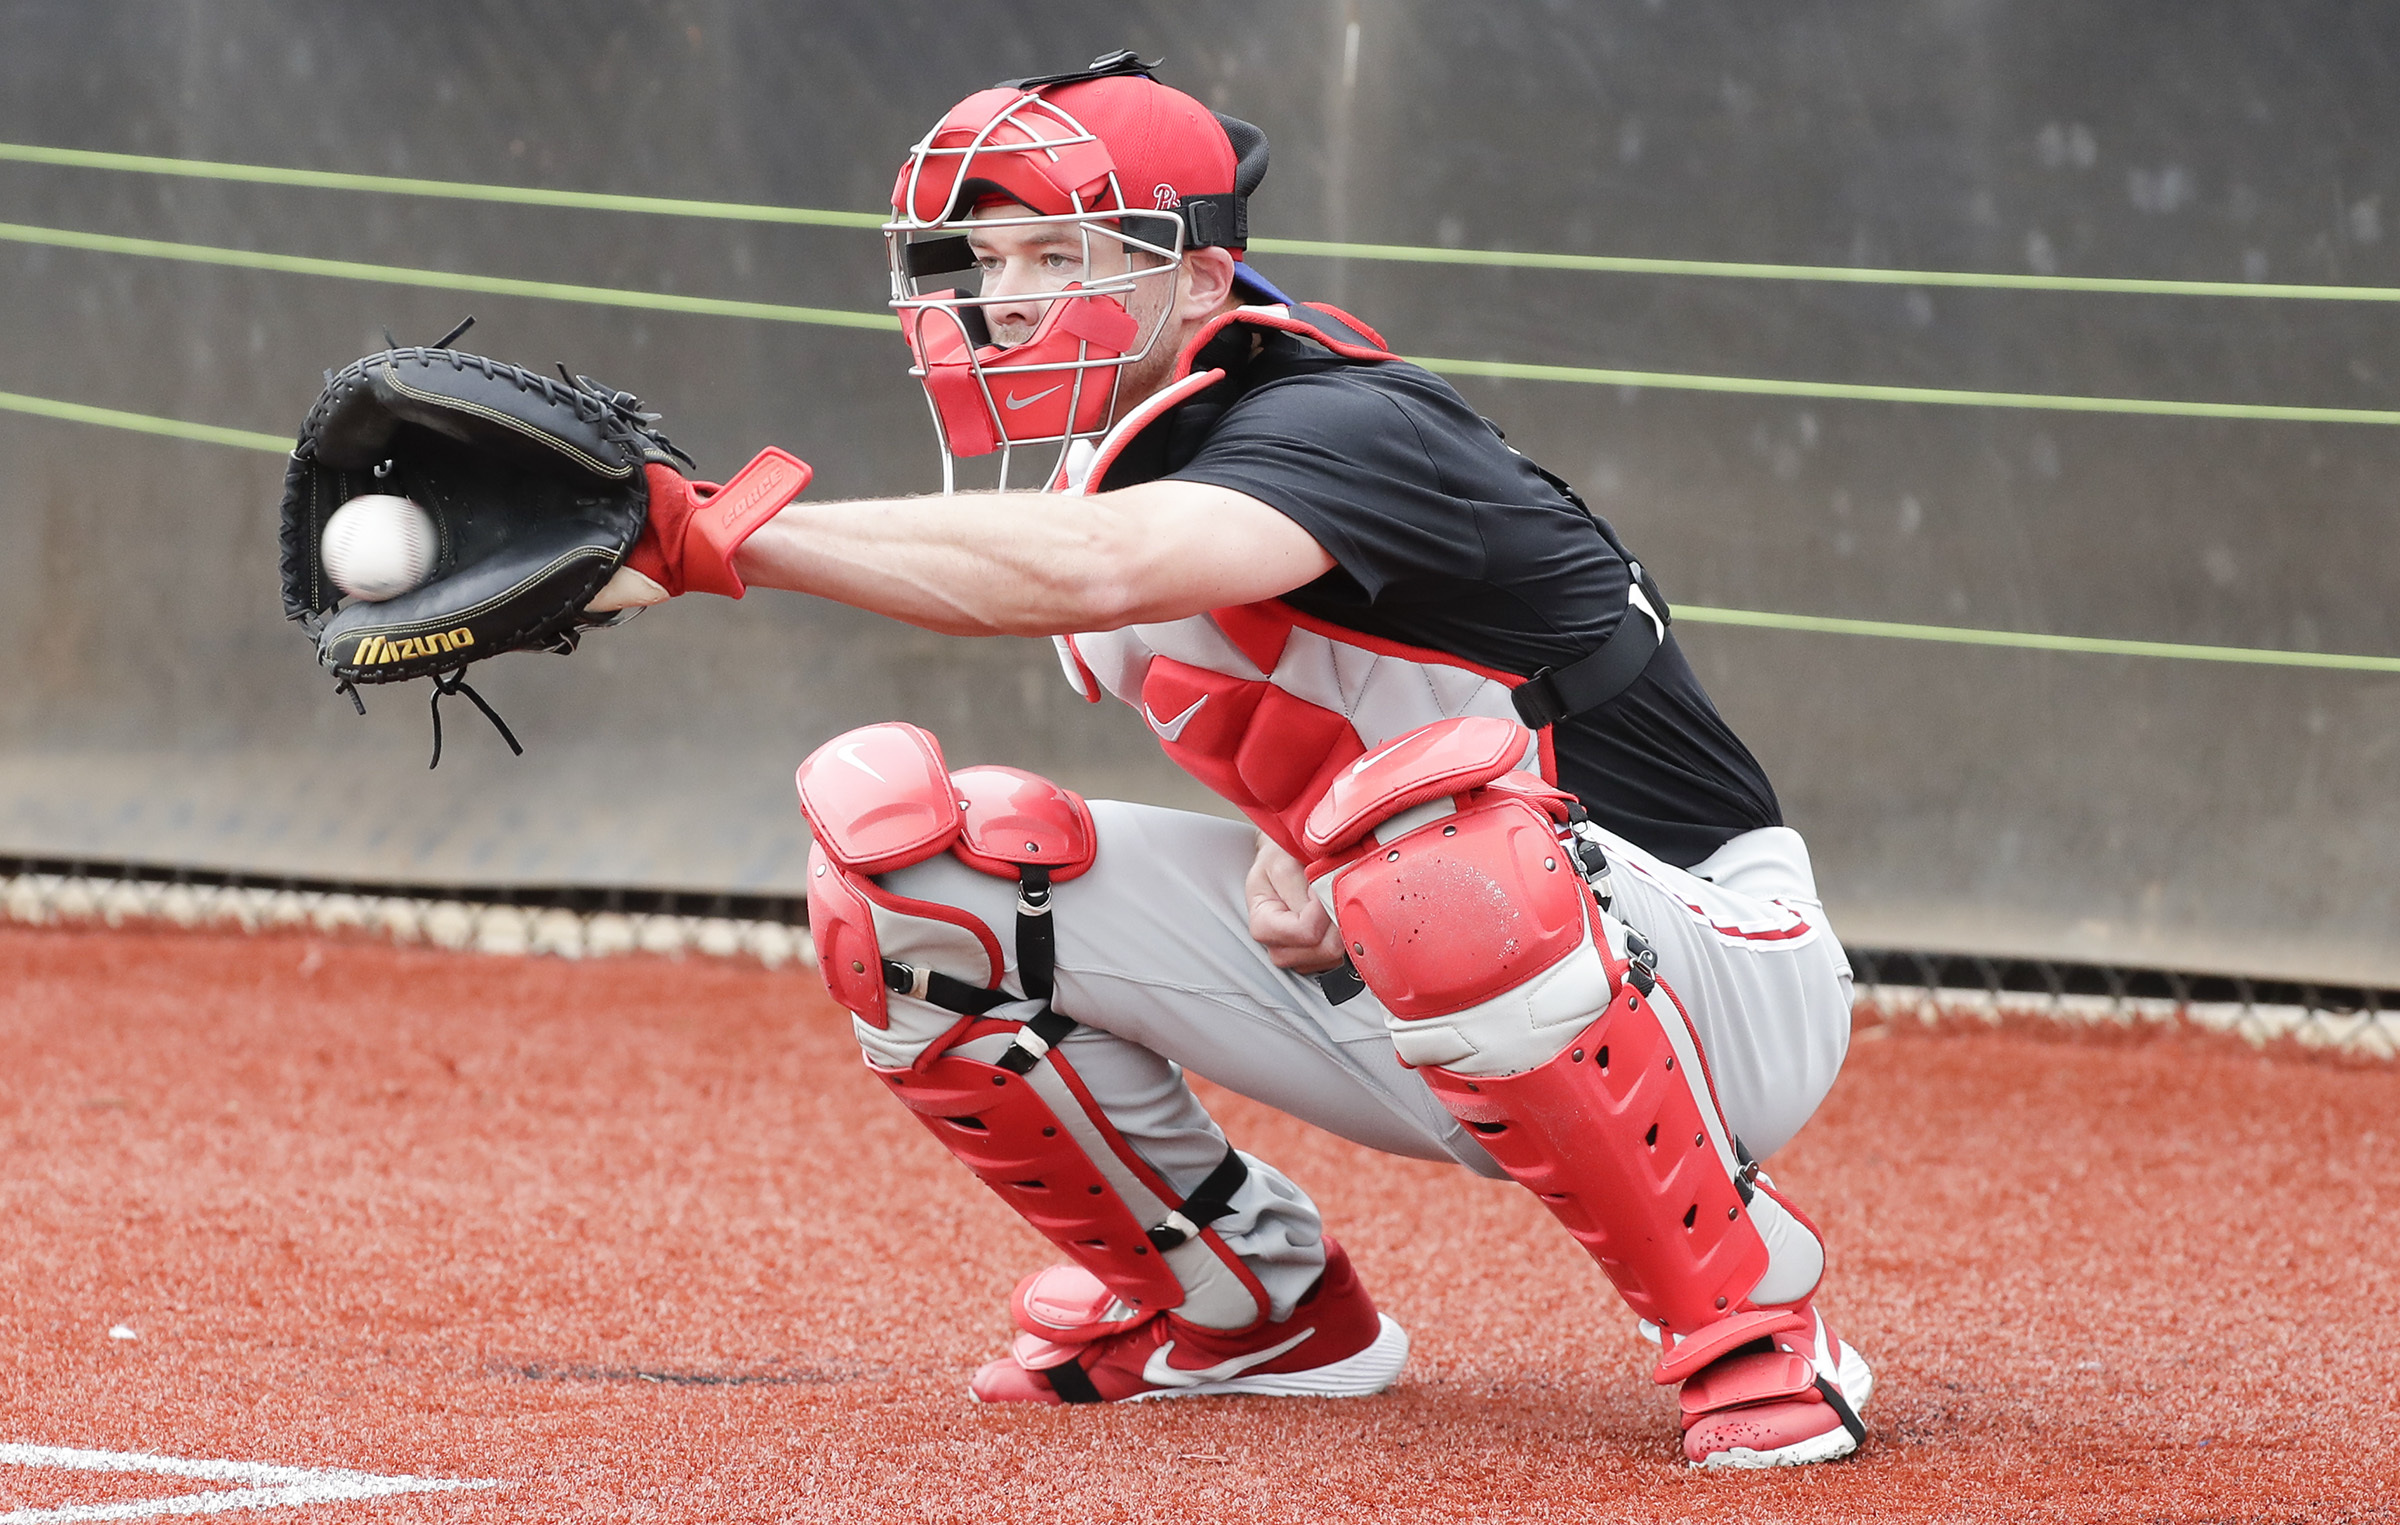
[558, 920]
[578, 921]
[1899, 984]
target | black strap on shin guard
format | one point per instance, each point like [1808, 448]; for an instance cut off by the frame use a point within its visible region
[1035, 1040]
[1070, 1382]
[1037, 940]
[943, 991]
[1827, 1389]
[1210, 1200]
[1037, 973]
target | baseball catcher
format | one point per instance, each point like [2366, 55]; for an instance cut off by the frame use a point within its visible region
[1513, 895]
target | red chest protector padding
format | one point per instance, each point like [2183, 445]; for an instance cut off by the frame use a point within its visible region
[880, 798]
[1258, 745]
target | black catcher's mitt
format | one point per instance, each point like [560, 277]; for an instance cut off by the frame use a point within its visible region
[536, 488]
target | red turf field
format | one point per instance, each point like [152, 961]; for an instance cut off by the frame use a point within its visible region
[637, 1240]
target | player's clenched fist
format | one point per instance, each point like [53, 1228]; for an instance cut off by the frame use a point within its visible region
[1285, 918]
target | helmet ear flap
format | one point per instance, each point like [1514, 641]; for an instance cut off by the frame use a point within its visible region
[1249, 154]
[1224, 221]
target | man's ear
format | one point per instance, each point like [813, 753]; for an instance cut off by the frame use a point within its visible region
[1207, 281]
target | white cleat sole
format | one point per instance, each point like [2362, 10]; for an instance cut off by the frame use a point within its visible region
[1360, 1376]
[1832, 1444]
[1857, 1382]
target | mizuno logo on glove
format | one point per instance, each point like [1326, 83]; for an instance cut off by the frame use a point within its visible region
[376, 650]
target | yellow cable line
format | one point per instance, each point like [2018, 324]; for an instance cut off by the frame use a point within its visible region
[441, 280]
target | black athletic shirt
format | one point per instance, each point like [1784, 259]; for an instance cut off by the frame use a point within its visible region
[1443, 537]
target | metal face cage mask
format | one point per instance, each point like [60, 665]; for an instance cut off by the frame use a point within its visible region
[1058, 383]
[1047, 186]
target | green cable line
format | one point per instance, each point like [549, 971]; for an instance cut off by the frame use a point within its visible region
[454, 190]
[442, 280]
[610, 296]
[144, 423]
[1939, 396]
[1696, 614]
[1959, 635]
[1305, 248]
[1859, 275]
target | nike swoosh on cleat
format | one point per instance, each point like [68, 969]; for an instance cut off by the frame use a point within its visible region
[1158, 1371]
[1012, 401]
[1172, 730]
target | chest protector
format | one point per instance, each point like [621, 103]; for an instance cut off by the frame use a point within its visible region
[1260, 702]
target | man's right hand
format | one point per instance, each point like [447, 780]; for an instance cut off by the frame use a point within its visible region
[1285, 918]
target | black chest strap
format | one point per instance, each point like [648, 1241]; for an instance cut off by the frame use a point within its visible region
[1598, 676]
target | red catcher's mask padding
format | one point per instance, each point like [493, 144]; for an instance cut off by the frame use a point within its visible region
[991, 393]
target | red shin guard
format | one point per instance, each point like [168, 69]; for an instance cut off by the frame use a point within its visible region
[1610, 1136]
[1041, 1142]
[1460, 885]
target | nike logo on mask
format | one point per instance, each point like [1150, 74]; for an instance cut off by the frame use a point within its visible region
[1013, 402]
[1172, 730]
[1158, 1371]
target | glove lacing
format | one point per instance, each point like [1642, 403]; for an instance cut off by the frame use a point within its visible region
[456, 683]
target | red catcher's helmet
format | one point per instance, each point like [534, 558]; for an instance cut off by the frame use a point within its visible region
[1139, 171]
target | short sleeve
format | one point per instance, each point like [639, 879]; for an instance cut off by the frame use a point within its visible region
[1339, 453]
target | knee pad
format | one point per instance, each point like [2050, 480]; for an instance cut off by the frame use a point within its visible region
[1462, 897]
[880, 798]
[1466, 899]
[975, 1062]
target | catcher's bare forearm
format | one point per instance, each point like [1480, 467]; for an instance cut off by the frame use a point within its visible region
[1036, 563]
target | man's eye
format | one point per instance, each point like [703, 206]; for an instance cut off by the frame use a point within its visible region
[1060, 261]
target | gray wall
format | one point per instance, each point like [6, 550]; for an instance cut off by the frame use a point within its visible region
[2210, 816]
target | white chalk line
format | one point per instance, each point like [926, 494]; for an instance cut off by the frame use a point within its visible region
[267, 1486]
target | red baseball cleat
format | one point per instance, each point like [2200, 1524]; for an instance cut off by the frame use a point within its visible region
[1080, 1345]
[1779, 1403]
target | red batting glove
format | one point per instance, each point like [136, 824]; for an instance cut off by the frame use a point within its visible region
[695, 527]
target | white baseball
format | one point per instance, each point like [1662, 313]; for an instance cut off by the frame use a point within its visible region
[378, 546]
